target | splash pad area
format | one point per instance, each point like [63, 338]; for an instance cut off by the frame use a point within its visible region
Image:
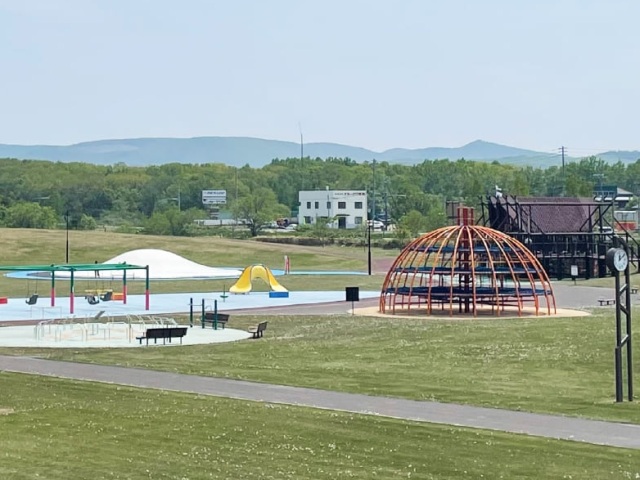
[71, 322]
[77, 331]
[110, 332]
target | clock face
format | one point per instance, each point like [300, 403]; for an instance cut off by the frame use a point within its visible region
[617, 259]
[620, 260]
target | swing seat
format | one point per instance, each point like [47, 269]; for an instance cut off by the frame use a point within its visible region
[32, 300]
[92, 299]
[107, 297]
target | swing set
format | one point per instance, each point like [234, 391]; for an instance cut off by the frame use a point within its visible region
[32, 298]
[94, 296]
[70, 271]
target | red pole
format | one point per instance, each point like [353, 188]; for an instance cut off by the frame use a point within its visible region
[124, 287]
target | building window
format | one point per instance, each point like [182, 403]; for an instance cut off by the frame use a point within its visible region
[308, 204]
[328, 205]
[317, 205]
[358, 205]
[307, 220]
[342, 205]
[358, 220]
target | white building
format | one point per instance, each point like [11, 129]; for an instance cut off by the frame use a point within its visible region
[337, 208]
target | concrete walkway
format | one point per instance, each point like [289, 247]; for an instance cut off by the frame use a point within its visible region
[565, 428]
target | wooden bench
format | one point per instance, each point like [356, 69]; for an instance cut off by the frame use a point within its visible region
[209, 317]
[258, 330]
[606, 301]
[163, 333]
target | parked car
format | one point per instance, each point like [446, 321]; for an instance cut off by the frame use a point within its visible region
[376, 224]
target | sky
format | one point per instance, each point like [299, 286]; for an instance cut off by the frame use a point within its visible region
[377, 74]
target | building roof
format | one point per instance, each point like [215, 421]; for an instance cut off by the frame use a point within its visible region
[548, 214]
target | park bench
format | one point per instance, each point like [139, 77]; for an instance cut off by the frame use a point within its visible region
[258, 330]
[606, 301]
[163, 333]
[209, 317]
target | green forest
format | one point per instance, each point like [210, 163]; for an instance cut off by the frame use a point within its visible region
[167, 199]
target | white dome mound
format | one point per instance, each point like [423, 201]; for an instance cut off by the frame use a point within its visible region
[164, 265]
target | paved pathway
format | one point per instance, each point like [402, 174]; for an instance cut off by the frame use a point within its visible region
[566, 428]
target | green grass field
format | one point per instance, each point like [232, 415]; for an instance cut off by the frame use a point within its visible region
[545, 365]
[58, 429]
[44, 247]
[54, 428]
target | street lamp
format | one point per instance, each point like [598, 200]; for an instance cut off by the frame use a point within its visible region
[369, 223]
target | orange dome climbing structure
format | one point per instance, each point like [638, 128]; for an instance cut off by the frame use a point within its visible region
[465, 269]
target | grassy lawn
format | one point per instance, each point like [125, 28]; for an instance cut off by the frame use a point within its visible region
[31, 246]
[605, 282]
[58, 429]
[545, 365]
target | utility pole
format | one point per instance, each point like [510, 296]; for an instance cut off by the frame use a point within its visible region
[236, 185]
[562, 151]
[373, 200]
[301, 147]
[301, 157]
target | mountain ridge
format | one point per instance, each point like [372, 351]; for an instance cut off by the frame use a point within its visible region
[257, 152]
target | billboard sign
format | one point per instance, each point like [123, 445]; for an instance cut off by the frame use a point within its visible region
[214, 197]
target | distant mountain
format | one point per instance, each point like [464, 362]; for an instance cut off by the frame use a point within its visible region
[620, 155]
[478, 150]
[257, 152]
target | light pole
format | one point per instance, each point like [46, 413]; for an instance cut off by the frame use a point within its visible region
[369, 245]
[66, 218]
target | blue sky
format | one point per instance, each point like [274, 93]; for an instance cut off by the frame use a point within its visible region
[377, 74]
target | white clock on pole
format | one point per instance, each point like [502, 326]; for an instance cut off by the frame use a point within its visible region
[617, 259]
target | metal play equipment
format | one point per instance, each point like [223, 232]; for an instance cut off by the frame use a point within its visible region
[97, 328]
[69, 271]
[468, 269]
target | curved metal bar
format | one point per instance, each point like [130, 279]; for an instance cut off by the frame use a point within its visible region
[429, 268]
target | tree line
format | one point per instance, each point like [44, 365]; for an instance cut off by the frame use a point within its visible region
[166, 199]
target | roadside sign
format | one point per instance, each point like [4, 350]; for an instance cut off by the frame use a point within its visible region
[214, 197]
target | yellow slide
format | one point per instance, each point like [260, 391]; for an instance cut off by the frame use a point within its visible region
[243, 285]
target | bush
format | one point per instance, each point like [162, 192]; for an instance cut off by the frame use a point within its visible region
[127, 228]
[29, 215]
[87, 223]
